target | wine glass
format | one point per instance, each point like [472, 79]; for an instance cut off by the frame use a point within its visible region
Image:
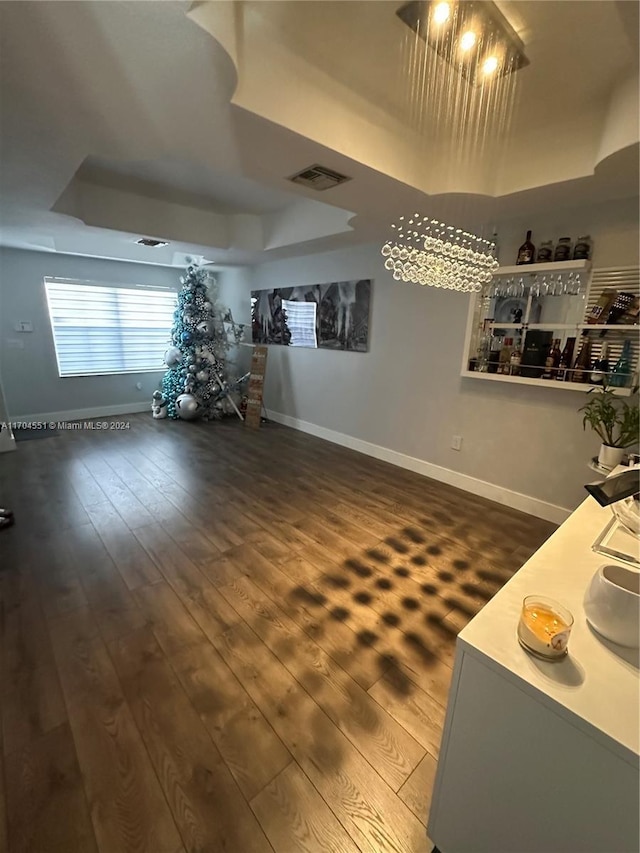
[535, 285]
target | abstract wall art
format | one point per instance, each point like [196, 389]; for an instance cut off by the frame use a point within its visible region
[329, 316]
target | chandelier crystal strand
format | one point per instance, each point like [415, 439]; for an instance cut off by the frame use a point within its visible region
[428, 252]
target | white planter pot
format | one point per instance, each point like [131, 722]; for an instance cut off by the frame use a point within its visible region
[609, 457]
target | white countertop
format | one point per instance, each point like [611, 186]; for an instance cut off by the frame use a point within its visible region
[597, 686]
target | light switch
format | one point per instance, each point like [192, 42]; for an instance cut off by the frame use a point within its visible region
[23, 326]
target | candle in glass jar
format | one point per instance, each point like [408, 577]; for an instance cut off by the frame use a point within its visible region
[544, 627]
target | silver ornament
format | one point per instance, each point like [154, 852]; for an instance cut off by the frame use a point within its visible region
[205, 327]
[187, 407]
[172, 357]
[202, 375]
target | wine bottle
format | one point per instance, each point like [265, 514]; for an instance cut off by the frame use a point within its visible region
[526, 252]
[552, 361]
[566, 359]
[600, 372]
[621, 373]
[583, 362]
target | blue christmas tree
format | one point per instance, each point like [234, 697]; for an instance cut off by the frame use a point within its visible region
[197, 384]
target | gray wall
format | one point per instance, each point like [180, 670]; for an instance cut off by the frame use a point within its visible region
[28, 362]
[407, 394]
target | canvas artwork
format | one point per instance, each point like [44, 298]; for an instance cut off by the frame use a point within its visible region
[331, 316]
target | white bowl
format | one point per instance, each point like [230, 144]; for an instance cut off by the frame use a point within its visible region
[612, 604]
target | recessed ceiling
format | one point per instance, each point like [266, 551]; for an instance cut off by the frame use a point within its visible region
[184, 183]
[183, 122]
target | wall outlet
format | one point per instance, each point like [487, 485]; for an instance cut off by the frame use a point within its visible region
[23, 326]
[456, 442]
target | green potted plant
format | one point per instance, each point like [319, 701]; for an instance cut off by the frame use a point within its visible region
[615, 420]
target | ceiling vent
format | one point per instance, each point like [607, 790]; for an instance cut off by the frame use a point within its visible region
[149, 241]
[319, 178]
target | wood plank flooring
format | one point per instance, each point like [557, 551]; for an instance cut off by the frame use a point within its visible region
[214, 639]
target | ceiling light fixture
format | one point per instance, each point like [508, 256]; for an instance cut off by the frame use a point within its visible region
[441, 13]
[428, 252]
[469, 22]
[490, 65]
[467, 40]
[460, 95]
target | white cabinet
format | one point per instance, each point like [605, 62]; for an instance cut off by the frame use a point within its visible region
[541, 757]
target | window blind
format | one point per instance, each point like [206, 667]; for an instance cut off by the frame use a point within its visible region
[100, 329]
[301, 322]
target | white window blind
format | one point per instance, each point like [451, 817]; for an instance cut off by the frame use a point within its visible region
[301, 322]
[102, 329]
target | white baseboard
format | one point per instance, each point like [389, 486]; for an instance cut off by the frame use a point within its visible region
[85, 414]
[499, 494]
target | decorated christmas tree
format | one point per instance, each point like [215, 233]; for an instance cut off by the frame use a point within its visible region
[198, 383]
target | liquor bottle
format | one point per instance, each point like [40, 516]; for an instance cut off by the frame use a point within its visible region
[619, 308]
[600, 372]
[516, 358]
[484, 348]
[583, 362]
[545, 252]
[494, 353]
[582, 249]
[621, 373]
[566, 359]
[504, 361]
[526, 252]
[563, 249]
[552, 362]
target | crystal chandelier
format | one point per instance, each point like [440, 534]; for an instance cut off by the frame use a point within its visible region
[428, 252]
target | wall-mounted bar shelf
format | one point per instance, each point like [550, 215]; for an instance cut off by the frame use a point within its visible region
[534, 320]
[541, 383]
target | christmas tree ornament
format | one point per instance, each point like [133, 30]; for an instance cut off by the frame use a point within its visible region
[205, 328]
[192, 368]
[207, 306]
[202, 375]
[187, 407]
[186, 337]
[172, 357]
[158, 405]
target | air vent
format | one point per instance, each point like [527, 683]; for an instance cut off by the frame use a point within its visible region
[149, 241]
[319, 178]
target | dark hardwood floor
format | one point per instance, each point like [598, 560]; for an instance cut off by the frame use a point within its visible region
[222, 640]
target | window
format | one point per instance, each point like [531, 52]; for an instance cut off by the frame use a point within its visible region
[100, 329]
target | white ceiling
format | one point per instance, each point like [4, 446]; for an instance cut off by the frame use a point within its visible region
[129, 119]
